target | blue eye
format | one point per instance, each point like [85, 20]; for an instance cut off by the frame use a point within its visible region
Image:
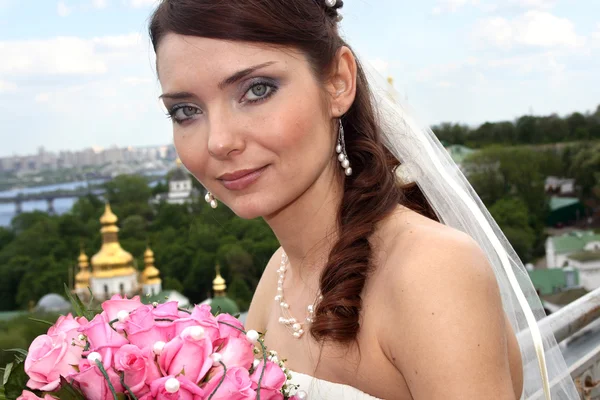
[182, 112]
[260, 91]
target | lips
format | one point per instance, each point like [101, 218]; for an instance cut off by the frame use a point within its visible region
[239, 180]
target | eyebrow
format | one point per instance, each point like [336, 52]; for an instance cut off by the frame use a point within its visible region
[224, 83]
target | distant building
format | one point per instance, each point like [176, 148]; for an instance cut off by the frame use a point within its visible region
[181, 190]
[559, 248]
[220, 303]
[565, 211]
[588, 265]
[459, 153]
[560, 186]
[52, 303]
[113, 270]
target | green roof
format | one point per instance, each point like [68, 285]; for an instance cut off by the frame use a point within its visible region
[459, 152]
[223, 305]
[584, 256]
[573, 241]
[548, 281]
[562, 202]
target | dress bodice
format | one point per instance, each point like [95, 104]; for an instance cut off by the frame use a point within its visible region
[319, 389]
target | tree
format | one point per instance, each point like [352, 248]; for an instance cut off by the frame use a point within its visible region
[512, 216]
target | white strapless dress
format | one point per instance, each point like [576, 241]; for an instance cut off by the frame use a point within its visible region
[319, 389]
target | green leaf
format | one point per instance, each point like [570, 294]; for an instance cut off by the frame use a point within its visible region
[42, 321]
[7, 370]
[76, 303]
[16, 381]
[67, 391]
[20, 351]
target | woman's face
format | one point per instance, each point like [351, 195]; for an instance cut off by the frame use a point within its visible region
[249, 121]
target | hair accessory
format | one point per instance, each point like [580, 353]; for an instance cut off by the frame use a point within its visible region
[340, 149]
[330, 3]
[210, 199]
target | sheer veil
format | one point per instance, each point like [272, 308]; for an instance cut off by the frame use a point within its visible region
[456, 204]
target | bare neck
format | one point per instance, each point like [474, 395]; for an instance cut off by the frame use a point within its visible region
[307, 228]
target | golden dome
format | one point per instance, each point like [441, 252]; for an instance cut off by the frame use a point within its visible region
[150, 275]
[108, 218]
[219, 284]
[83, 259]
[178, 162]
[111, 260]
[82, 278]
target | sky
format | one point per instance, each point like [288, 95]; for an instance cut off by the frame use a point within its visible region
[79, 73]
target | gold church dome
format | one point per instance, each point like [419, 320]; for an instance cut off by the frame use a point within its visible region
[82, 278]
[151, 274]
[219, 284]
[111, 260]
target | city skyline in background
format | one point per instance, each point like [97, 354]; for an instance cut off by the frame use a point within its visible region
[78, 74]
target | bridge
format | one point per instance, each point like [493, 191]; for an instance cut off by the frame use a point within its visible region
[49, 197]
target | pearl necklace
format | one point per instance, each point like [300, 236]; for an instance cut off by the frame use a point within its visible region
[297, 327]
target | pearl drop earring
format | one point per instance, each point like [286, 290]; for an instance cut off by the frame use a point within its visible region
[210, 199]
[340, 149]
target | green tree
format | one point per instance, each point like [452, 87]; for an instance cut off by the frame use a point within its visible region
[512, 216]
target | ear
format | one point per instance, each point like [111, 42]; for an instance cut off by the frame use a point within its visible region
[341, 85]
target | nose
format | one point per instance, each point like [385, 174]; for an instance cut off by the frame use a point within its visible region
[225, 136]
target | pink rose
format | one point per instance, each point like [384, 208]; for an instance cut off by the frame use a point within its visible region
[117, 303]
[168, 310]
[138, 366]
[103, 339]
[272, 381]
[48, 358]
[236, 385]
[200, 316]
[92, 383]
[188, 356]
[143, 331]
[236, 352]
[188, 390]
[226, 331]
[27, 395]
[70, 326]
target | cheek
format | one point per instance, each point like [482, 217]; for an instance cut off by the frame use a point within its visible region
[192, 151]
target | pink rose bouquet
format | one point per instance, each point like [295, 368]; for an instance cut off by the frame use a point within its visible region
[143, 352]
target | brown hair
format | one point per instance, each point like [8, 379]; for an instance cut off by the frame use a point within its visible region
[371, 192]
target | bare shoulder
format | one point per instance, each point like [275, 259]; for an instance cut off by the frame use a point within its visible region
[264, 294]
[443, 299]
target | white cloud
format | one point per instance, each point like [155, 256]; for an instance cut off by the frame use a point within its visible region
[533, 28]
[42, 97]
[450, 6]
[142, 3]
[68, 55]
[6, 86]
[136, 80]
[62, 9]
[99, 3]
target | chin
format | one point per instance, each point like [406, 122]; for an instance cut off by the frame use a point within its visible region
[250, 209]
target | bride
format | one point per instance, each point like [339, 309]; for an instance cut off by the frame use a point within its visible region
[392, 280]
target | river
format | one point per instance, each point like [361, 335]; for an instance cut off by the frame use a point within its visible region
[61, 206]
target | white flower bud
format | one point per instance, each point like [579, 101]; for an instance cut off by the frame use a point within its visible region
[172, 385]
[252, 336]
[122, 315]
[216, 358]
[158, 347]
[94, 356]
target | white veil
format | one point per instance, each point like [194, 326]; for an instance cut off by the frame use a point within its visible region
[456, 204]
